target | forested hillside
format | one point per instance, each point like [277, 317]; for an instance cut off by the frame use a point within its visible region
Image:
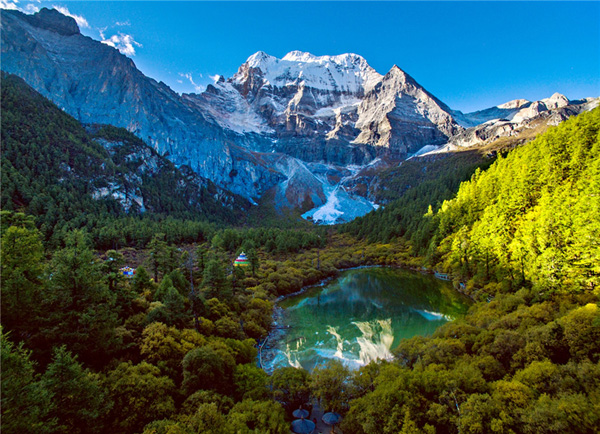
[407, 191]
[58, 170]
[533, 216]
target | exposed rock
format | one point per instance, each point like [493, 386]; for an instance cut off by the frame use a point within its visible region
[51, 19]
[510, 118]
[144, 164]
[96, 84]
[302, 188]
[401, 116]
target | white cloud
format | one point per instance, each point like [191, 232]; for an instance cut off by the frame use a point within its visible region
[197, 87]
[81, 21]
[123, 23]
[6, 4]
[122, 42]
[31, 8]
[215, 77]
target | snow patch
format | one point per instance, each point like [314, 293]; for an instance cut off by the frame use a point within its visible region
[340, 206]
[346, 105]
[230, 110]
[424, 150]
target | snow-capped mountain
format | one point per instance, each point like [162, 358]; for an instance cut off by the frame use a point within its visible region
[335, 109]
[348, 74]
[293, 126]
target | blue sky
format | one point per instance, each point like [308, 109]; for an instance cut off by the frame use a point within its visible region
[471, 55]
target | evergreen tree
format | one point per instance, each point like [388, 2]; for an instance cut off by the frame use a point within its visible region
[22, 278]
[80, 308]
[27, 405]
[112, 268]
[81, 401]
[254, 261]
[214, 281]
[158, 253]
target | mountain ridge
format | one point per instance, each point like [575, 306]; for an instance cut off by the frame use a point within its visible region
[333, 110]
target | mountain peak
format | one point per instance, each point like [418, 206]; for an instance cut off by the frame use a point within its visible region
[349, 73]
[259, 58]
[53, 20]
[299, 56]
[396, 70]
[345, 59]
[557, 100]
[558, 95]
[399, 75]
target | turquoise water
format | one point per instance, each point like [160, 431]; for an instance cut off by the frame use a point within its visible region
[359, 317]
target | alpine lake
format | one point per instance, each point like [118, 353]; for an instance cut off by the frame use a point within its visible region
[360, 316]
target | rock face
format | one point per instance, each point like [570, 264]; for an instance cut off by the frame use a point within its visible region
[146, 165]
[51, 19]
[401, 116]
[510, 118]
[98, 162]
[96, 84]
[273, 126]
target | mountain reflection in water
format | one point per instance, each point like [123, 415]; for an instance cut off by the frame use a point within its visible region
[360, 317]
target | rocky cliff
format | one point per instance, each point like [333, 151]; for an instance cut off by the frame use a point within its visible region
[94, 83]
[51, 164]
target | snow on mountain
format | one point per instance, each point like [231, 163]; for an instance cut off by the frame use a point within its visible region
[346, 73]
[340, 204]
[427, 149]
[304, 85]
[223, 104]
[340, 207]
[341, 104]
